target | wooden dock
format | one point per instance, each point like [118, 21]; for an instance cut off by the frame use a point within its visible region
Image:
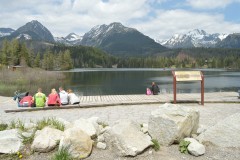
[113, 100]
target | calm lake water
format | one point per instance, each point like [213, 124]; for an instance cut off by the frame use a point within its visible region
[135, 81]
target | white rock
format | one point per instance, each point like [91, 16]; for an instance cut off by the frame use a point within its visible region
[27, 134]
[100, 138]
[10, 141]
[46, 139]
[86, 126]
[101, 145]
[170, 123]
[95, 121]
[225, 133]
[105, 129]
[144, 129]
[65, 122]
[195, 148]
[126, 139]
[150, 152]
[77, 141]
[29, 126]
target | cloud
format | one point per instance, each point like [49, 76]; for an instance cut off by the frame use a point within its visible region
[62, 17]
[168, 22]
[210, 4]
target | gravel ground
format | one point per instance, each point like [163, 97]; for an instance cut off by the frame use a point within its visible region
[210, 114]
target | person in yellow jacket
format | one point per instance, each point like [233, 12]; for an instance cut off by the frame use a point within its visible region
[39, 98]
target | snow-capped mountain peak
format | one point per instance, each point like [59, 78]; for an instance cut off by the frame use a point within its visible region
[194, 38]
[70, 39]
[73, 37]
[103, 30]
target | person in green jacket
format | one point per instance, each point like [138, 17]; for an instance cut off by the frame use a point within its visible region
[39, 98]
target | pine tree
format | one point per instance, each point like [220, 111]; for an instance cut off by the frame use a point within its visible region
[67, 60]
[37, 60]
[15, 52]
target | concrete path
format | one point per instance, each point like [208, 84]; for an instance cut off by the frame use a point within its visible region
[210, 113]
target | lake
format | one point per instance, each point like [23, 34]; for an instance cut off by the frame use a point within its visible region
[107, 81]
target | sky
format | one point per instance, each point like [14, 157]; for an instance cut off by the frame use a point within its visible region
[158, 19]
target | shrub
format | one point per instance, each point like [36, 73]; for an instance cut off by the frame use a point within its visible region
[183, 146]
[3, 127]
[62, 154]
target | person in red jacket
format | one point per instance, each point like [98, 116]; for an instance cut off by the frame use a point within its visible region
[26, 102]
[53, 98]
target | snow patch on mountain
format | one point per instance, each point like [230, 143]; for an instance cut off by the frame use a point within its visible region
[6, 31]
[25, 36]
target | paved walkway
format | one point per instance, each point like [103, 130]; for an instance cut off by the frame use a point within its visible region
[113, 100]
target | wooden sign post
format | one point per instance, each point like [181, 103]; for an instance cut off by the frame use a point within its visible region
[182, 76]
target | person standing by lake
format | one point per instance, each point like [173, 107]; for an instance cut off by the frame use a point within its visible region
[39, 98]
[154, 88]
[63, 96]
[72, 97]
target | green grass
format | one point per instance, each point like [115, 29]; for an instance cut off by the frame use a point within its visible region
[50, 122]
[18, 125]
[3, 126]
[62, 154]
[156, 145]
[27, 140]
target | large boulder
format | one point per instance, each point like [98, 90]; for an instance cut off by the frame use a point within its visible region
[46, 139]
[126, 139]
[87, 126]
[170, 123]
[10, 141]
[225, 133]
[78, 143]
[195, 148]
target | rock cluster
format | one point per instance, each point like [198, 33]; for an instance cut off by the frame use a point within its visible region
[168, 124]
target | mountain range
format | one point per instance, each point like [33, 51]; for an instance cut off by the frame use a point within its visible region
[194, 38]
[120, 40]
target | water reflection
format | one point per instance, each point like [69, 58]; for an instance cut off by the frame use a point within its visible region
[135, 81]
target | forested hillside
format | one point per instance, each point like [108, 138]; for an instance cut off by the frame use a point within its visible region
[60, 57]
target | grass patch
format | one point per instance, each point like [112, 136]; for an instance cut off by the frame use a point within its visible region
[18, 125]
[12, 156]
[62, 154]
[50, 122]
[26, 139]
[103, 124]
[156, 145]
[28, 79]
[3, 127]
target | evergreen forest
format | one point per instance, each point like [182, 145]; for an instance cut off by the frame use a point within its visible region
[62, 57]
